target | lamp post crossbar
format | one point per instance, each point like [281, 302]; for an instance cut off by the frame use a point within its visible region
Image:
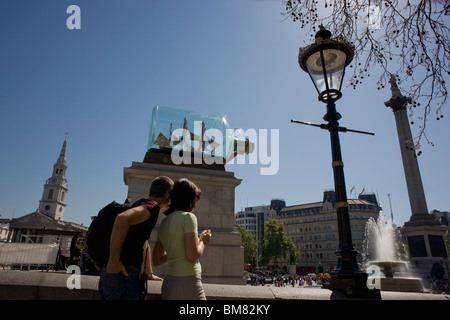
[325, 127]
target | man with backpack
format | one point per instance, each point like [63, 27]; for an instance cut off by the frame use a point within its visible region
[120, 277]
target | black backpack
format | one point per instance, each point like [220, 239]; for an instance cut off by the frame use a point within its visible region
[98, 235]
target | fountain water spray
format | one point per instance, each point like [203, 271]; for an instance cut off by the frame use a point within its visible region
[380, 240]
[380, 250]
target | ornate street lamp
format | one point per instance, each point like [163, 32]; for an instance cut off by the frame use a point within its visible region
[325, 62]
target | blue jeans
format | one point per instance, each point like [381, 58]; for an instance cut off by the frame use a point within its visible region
[117, 286]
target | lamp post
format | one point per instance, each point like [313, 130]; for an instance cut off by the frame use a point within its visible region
[325, 62]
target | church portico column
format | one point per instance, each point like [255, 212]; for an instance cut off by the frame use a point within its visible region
[18, 235]
[9, 236]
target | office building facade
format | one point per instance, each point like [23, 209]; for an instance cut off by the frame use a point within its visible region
[313, 228]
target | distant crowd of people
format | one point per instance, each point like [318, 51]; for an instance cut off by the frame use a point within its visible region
[435, 285]
[288, 280]
[440, 286]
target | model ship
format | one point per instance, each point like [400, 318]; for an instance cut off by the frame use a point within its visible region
[176, 131]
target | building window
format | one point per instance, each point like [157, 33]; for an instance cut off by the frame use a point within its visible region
[50, 194]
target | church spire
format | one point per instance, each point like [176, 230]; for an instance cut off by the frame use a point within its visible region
[62, 155]
[53, 200]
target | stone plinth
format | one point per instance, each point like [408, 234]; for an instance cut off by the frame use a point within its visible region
[426, 247]
[223, 260]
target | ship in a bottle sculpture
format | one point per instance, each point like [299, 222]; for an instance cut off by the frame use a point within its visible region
[187, 138]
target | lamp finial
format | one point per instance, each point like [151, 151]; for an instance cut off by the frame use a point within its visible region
[322, 34]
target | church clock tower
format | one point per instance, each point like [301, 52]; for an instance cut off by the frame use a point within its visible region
[53, 200]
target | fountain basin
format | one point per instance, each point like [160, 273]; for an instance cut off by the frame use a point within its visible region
[389, 267]
[401, 284]
[389, 283]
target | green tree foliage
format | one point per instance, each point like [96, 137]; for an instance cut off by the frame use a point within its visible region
[402, 251]
[249, 243]
[277, 245]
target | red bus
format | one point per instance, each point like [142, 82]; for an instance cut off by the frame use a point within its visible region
[304, 270]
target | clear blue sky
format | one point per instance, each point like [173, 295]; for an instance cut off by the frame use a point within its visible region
[233, 58]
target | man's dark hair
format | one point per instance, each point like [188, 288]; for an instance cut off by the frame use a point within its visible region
[183, 196]
[160, 186]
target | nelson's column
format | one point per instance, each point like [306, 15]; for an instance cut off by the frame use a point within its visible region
[424, 234]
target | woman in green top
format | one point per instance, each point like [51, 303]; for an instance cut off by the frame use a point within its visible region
[178, 245]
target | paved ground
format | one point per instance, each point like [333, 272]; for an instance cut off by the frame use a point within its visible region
[42, 285]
